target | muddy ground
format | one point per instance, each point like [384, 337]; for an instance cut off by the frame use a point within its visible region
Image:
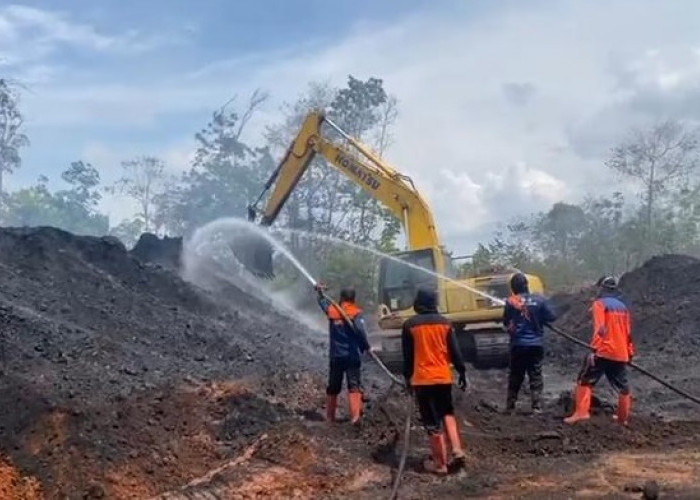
[120, 380]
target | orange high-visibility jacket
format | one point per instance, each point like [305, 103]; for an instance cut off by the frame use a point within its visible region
[429, 346]
[612, 329]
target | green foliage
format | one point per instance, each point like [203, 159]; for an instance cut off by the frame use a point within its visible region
[143, 181]
[326, 201]
[225, 177]
[12, 139]
[73, 209]
[609, 238]
[352, 268]
[573, 243]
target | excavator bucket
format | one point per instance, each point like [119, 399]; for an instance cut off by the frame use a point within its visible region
[256, 256]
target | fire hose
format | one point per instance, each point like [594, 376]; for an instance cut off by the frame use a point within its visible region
[396, 380]
[573, 339]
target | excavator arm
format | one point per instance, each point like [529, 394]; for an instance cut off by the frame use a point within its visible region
[465, 303]
[359, 164]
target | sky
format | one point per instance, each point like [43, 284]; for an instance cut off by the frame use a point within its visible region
[505, 107]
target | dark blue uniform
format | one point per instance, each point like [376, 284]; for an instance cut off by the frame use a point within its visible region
[346, 344]
[524, 316]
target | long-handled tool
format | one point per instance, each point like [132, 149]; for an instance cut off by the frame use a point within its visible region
[573, 339]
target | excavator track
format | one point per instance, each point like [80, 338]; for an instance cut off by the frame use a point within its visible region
[484, 348]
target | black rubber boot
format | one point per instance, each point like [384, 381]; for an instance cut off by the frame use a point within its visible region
[537, 402]
[510, 403]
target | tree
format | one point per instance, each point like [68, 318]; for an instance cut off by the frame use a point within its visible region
[656, 158]
[32, 206]
[144, 180]
[604, 245]
[12, 139]
[325, 200]
[388, 113]
[73, 209]
[128, 231]
[360, 109]
[84, 179]
[559, 230]
[225, 176]
[77, 207]
[301, 210]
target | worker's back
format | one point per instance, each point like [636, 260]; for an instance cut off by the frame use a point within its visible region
[524, 316]
[345, 341]
[612, 335]
[428, 336]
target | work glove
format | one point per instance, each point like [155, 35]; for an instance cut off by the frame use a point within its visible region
[462, 381]
[320, 288]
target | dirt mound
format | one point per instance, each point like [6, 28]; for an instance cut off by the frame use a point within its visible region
[14, 485]
[664, 297]
[96, 346]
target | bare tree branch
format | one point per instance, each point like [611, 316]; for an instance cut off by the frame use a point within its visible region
[256, 100]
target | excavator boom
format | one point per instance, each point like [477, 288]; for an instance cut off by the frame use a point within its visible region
[359, 164]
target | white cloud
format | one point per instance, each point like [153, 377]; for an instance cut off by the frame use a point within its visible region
[498, 116]
[29, 36]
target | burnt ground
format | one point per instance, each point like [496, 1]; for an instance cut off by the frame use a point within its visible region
[120, 380]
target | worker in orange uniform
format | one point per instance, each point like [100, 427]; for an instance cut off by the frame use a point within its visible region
[347, 342]
[612, 349]
[429, 345]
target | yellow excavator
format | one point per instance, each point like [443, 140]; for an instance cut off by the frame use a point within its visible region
[467, 303]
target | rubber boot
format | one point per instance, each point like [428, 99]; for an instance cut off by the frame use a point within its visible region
[355, 402]
[583, 404]
[454, 440]
[510, 403]
[437, 464]
[536, 402]
[331, 405]
[624, 405]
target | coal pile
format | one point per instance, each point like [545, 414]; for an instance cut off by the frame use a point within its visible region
[90, 333]
[120, 380]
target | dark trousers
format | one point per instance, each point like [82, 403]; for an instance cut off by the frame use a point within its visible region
[525, 360]
[614, 371]
[347, 368]
[434, 402]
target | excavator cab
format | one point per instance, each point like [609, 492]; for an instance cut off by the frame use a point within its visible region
[400, 277]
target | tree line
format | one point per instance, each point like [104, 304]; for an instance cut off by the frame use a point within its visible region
[610, 232]
[226, 173]
[569, 243]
